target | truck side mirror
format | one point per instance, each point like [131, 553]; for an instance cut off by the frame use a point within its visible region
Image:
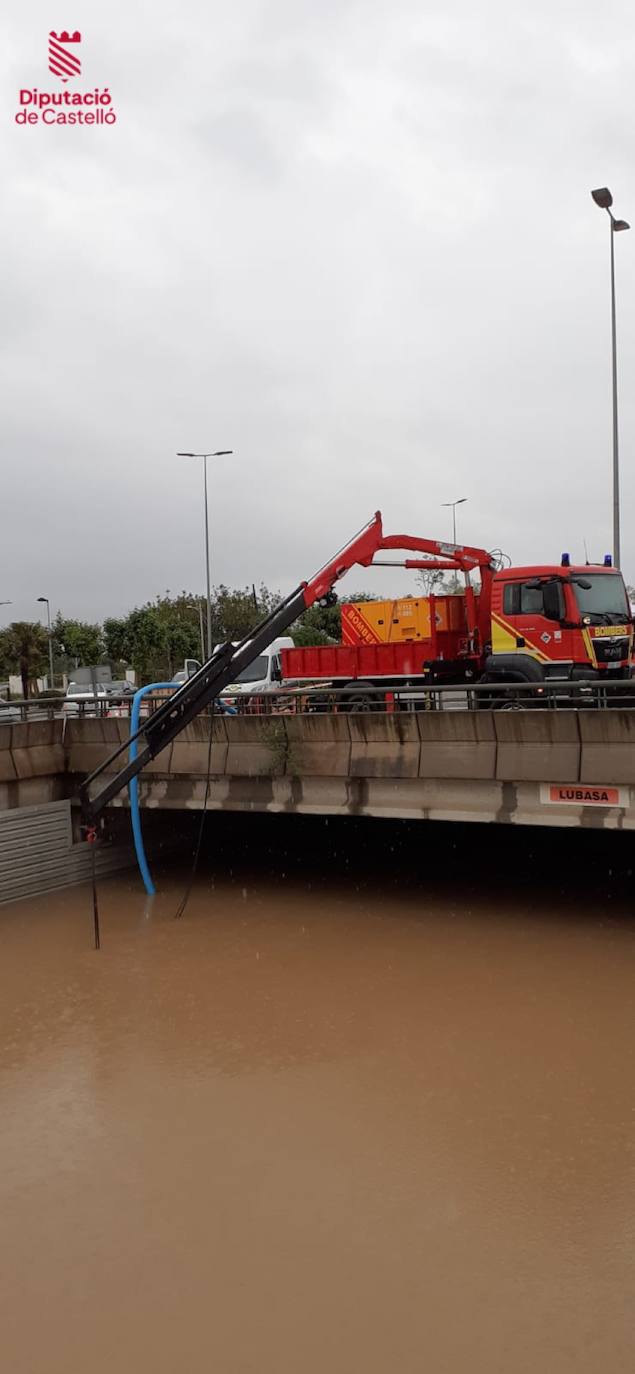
[276, 671]
[552, 600]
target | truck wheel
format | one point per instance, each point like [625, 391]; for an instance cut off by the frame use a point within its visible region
[499, 701]
[356, 699]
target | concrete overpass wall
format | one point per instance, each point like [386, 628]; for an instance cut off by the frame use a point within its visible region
[455, 765]
[502, 766]
[32, 763]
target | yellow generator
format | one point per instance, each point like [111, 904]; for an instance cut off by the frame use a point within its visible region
[396, 622]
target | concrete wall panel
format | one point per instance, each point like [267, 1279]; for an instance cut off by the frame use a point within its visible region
[456, 744]
[7, 766]
[190, 751]
[37, 748]
[541, 746]
[375, 760]
[318, 745]
[608, 746]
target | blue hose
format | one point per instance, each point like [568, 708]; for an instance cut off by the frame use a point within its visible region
[133, 789]
[134, 783]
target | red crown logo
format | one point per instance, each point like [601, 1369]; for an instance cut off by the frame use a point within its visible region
[62, 62]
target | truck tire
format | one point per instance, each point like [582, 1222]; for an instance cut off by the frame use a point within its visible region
[500, 701]
[354, 698]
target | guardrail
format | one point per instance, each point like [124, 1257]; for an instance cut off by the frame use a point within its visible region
[54, 708]
[323, 698]
[355, 697]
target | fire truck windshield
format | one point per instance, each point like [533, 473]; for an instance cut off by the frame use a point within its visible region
[602, 597]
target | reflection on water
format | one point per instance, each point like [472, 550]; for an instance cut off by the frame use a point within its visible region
[377, 1123]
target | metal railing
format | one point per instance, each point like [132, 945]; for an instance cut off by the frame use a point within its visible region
[321, 698]
[361, 697]
[55, 708]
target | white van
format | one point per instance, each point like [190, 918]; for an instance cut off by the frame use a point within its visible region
[264, 674]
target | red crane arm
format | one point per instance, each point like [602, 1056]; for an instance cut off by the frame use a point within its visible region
[371, 540]
[360, 550]
[460, 556]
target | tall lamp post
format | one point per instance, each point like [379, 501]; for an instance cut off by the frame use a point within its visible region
[602, 197]
[48, 613]
[454, 504]
[219, 453]
[198, 606]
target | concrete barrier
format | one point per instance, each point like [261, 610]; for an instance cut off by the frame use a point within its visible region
[318, 746]
[457, 765]
[88, 742]
[384, 746]
[7, 766]
[37, 748]
[256, 745]
[541, 746]
[457, 744]
[190, 752]
[32, 763]
[607, 746]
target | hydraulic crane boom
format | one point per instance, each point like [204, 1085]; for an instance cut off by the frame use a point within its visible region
[230, 660]
[224, 666]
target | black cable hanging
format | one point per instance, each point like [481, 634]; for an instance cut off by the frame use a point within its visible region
[91, 836]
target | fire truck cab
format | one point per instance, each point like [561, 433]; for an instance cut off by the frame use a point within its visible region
[559, 623]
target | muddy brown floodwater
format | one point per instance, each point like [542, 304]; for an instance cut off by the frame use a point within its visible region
[300, 1131]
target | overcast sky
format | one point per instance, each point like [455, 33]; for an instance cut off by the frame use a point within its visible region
[350, 239]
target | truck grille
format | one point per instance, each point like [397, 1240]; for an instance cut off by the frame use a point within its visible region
[609, 650]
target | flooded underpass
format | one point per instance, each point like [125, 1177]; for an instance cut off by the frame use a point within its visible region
[369, 1105]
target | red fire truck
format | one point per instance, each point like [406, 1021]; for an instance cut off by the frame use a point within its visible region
[547, 623]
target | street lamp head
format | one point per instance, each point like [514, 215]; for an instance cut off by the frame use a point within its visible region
[186, 455]
[603, 197]
[43, 598]
[619, 224]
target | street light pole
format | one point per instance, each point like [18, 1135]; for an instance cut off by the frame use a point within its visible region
[219, 453]
[48, 615]
[198, 606]
[616, 442]
[454, 504]
[602, 197]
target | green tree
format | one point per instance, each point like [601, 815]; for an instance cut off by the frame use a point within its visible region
[115, 640]
[77, 642]
[155, 639]
[24, 650]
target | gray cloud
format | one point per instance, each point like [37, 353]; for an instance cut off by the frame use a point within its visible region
[355, 243]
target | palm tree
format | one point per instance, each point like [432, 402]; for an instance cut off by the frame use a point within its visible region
[24, 649]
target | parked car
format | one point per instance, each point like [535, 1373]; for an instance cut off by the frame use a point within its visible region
[9, 714]
[82, 695]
